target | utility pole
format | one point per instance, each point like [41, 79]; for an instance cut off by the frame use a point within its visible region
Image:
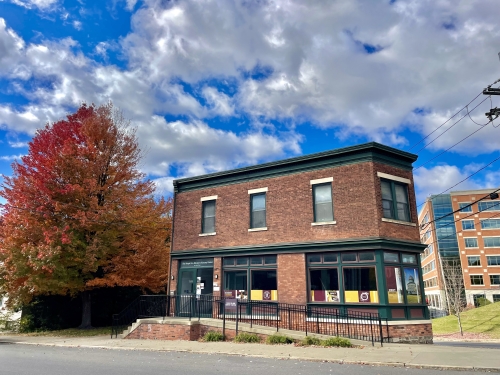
[493, 112]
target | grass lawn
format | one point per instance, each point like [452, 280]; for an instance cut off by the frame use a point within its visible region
[481, 320]
[74, 332]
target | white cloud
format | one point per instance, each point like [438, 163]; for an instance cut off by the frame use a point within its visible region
[435, 180]
[18, 144]
[195, 148]
[10, 157]
[219, 103]
[77, 25]
[40, 4]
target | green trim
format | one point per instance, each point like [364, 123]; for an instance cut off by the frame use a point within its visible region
[305, 247]
[374, 152]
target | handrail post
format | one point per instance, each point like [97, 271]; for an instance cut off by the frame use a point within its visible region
[237, 311]
[277, 317]
[305, 316]
[223, 321]
[381, 334]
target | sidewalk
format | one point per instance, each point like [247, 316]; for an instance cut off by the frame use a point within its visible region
[415, 356]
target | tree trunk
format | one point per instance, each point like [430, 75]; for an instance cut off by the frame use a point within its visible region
[86, 311]
[460, 325]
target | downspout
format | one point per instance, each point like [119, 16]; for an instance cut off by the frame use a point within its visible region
[171, 240]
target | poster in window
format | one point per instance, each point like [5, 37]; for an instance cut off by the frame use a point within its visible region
[266, 295]
[332, 296]
[394, 284]
[413, 293]
[364, 296]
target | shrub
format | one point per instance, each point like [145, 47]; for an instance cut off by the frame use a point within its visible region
[311, 341]
[337, 341]
[481, 301]
[279, 339]
[247, 337]
[213, 336]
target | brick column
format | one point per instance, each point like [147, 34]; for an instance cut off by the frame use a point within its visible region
[218, 272]
[292, 282]
[175, 274]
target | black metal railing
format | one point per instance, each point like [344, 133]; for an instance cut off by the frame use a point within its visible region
[331, 321]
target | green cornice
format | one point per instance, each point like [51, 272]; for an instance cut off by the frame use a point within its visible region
[372, 151]
[304, 247]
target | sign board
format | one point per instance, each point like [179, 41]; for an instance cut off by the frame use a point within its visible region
[231, 304]
[197, 263]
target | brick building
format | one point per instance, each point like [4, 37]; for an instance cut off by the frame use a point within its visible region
[472, 235]
[337, 228]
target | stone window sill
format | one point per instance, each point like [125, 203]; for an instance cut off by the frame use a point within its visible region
[207, 234]
[399, 222]
[257, 229]
[323, 223]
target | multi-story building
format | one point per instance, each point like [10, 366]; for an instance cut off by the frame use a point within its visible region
[461, 225]
[335, 229]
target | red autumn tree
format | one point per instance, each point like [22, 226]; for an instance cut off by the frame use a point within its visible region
[80, 215]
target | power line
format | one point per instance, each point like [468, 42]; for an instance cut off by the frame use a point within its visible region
[466, 178]
[461, 118]
[444, 123]
[449, 148]
[490, 195]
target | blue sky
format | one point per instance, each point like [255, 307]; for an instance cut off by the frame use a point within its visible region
[218, 84]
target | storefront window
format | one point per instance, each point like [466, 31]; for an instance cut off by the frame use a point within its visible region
[391, 257]
[413, 292]
[360, 285]
[349, 257]
[235, 284]
[409, 258]
[264, 285]
[324, 285]
[394, 284]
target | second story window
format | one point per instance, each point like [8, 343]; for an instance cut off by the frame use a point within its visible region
[208, 216]
[395, 200]
[323, 206]
[258, 210]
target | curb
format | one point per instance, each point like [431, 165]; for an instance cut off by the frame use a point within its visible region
[338, 361]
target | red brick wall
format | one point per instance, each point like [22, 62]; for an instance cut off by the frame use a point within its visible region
[292, 281]
[356, 200]
[415, 333]
[175, 273]
[218, 273]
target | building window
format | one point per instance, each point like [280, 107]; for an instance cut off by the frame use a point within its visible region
[394, 284]
[324, 285]
[426, 236]
[491, 241]
[409, 258]
[429, 267]
[391, 257]
[426, 218]
[495, 279]
[476, 280]
[322, 199]
[412, 285]
[208, 217]
[258, 210]
[428, 251]
[489, 206]
[395, 200]
[496, 298]
[235, 284]
[430, 282]
[490, 224]
[468, 224]
[360, 285]
[474, 261]
[464, 207]
[493, 260]
[470, 242]
[264, 285]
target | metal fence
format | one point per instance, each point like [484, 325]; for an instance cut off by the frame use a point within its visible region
[309, 319]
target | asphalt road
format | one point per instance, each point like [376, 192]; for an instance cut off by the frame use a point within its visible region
[18, 359]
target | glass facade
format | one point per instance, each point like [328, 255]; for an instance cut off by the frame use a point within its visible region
[446, 233]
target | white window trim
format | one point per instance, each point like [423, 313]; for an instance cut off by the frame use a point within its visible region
[257, 229]
[394, 178]
[259, 190]
[399, 222]
[469, 220]
[473, 247]
[491, 255]
[481, 220]
[210, 198]
[207, 234]
[490, 247]
[465, 212]
[321, 180]
[469, 256]
[323, 223]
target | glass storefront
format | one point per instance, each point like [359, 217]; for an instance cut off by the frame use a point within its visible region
[258, 272]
